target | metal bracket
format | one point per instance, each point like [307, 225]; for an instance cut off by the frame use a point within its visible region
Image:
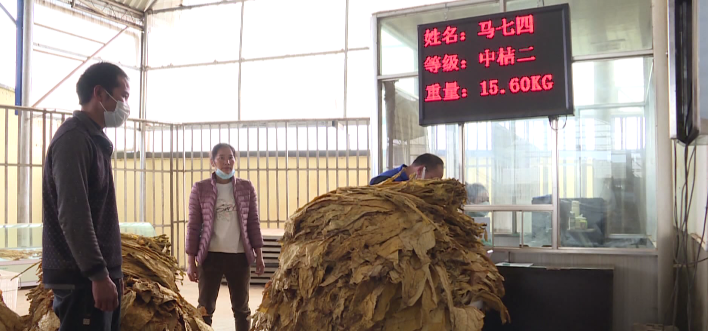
[111, 11]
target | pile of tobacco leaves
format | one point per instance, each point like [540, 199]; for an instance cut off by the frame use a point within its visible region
[395, 256]
[151, 301]
[9, 320]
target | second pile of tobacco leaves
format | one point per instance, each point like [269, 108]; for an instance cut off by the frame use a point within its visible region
[396, 256]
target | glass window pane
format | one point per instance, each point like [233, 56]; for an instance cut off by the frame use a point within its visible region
[124, 50]
[537, 228]
[512, 5]
[361, 11]
[299, 87]
[280, 27]
[608, 82]
[399, 35]
[510, 161]
[606, 176]
[193, 100]
[79, 35]
[606, 26]
[199, 35]
[404, 140]
[77, 23]
[48, 70]
[360, 84]
[514, 229]
[7, 44]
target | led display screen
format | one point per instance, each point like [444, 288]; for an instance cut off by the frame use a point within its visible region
[504, 66]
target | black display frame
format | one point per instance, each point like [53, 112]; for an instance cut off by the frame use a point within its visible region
[567, 109]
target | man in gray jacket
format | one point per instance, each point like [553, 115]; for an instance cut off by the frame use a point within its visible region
[81, 247]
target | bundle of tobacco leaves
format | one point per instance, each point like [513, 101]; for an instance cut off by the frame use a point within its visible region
[151, 301]
[9, 320]
[396, 256]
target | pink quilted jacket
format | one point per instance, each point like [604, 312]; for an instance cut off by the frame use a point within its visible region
[202, 203]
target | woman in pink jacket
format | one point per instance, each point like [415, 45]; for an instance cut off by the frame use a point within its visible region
[224, 236]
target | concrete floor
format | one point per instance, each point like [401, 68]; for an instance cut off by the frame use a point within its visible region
[223, 318]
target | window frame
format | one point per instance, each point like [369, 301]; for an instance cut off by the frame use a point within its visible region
[377, 139]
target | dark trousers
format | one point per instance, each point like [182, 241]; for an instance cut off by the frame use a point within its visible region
[238, 277]
[76, 311]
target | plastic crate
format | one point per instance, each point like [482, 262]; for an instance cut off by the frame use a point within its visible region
[9, 288]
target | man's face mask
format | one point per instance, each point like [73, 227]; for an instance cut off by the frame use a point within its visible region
[116, 118]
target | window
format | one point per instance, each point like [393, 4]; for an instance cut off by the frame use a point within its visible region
[199, 35]
[361, 12]
[607, 26]
[604, 169]
[605, 154]
[285, 73]
[312, 26]
[8, 40]
[399, 35]
[404, 139]
[193, 94]
[299, 87]
[59, 50]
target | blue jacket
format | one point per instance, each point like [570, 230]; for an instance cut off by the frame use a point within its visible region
[390, 173]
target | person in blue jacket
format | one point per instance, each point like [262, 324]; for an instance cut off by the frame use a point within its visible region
[426, 166]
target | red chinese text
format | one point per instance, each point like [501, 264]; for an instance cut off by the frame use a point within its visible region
[432, 64]
[506, 56]
[524, 24]
[526, 59]
[450, 63]
[486, 28]
[487, 57]
[433, 92]
[450, 35]
[506, 28]
[514, 27]
[451, 91]
[432, 37]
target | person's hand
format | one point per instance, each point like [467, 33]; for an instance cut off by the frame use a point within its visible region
[192, 272]
[260, 265]
[105, 295]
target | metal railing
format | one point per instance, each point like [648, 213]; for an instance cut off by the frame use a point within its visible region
[155, 165]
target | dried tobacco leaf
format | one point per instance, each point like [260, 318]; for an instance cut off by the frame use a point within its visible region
[396, 256]
[15, 254]
[151, 300]
[9, 320]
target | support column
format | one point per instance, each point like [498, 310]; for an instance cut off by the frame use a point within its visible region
[142, 126]
[664, 208]
[24, 146]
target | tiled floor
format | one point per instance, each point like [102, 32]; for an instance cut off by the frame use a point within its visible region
[223, 318]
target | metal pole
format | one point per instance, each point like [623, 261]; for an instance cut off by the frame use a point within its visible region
[461, 150]
[8, 14]
[143, 115]
[240, 54]
[23, 200]
[555, 221]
